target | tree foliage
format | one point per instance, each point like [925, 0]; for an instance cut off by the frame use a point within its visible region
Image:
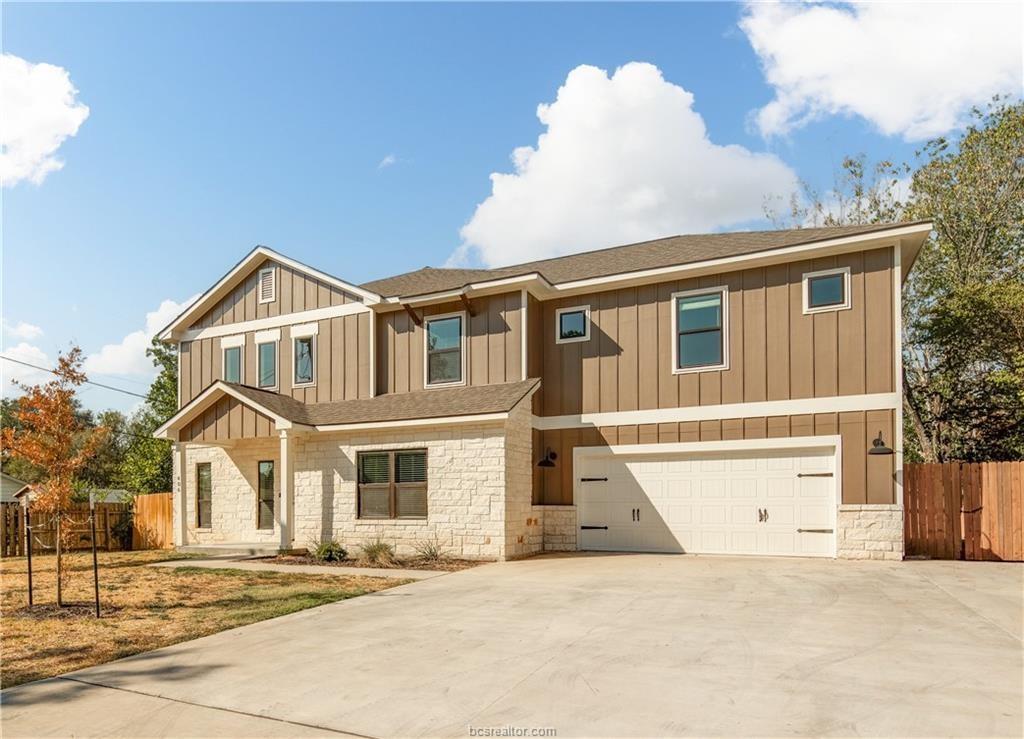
[147, 465]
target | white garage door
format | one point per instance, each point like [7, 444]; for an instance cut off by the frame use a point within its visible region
[778, 503]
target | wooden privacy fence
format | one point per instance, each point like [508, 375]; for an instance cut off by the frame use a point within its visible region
[152, 527]
[146, 523]
[955, 510]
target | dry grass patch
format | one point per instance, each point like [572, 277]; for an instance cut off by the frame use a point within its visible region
[143, 608]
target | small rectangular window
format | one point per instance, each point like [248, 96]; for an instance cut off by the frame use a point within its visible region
[265, 498]
[204, 495]
[393, 484]
[267, 355]
[267, 285]
[444, 350]
[233, 364]
[572, 324]
[826, 290]
[700, 330]
[304, 360]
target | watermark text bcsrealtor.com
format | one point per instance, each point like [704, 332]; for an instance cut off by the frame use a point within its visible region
[512, 731]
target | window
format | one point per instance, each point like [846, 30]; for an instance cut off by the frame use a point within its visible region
[700, 328]
[393, 484]
[204, 495]
[444, 365]
[233, 364]
[267, 354]
[572, 324]
[826, 290]
[267, 285]
[265, 498]
[303, 361]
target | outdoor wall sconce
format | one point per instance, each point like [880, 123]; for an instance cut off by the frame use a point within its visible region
[549, 459]
[878, 446]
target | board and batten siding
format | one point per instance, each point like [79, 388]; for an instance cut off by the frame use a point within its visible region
[227, 419]
[493, 344]
[775, 351]
[865, 479]
[295, 292]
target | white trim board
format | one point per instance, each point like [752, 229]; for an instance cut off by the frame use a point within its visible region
[802, 406]
[288, 319]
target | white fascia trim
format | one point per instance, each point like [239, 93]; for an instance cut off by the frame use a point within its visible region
[230, 342]
[268, 336]
[585, 309]
[207, 398]
[303, 330]
[723, 290]
[829, 441]
[288, 319]
[805, 289]
[803, 406]
[225, 283]
[443, 421]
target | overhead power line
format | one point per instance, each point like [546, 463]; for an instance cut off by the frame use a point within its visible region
[90, 382]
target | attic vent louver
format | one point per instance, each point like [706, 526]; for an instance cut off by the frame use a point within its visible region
[267, 285]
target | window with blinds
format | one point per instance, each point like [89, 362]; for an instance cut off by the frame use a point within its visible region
[204, 495]
[393, 484]
[267, 285]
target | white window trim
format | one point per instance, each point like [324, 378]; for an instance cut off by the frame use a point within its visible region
[303, 330]
[427, 320]
[241, 361]
[585, 309]
[265, 337]
[295, 338]
[230, 341]
[277, 364]
[805, 288]
[273, 285]
[724, 291]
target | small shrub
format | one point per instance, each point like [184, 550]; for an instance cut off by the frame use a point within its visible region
[430, 550]
[378, 553]
[327, 551]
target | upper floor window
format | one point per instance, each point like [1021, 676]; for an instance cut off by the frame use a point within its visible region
[304, 354]
[572, 324]
[233, 347]
[826, 290]
[266, 357]
[267, 286]
[445, 360]
[700, 328]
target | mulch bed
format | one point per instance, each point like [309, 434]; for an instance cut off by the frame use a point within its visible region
[442, 565]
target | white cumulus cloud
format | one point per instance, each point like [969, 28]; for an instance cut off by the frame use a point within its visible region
[128, 356]
[912, 69]
[11, 372]
[624, 158]
[22, 330]
[40, 111]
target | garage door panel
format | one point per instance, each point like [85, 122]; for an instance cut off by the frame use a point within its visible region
[711, 503]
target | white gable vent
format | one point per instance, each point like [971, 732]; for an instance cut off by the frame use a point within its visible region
[268, 285]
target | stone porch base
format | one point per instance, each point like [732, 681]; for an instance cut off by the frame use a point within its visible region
[871, 531]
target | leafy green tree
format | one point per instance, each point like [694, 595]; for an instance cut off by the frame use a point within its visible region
[147, 464]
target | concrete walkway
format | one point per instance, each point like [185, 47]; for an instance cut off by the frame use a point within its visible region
[255, 565]
[614, 645]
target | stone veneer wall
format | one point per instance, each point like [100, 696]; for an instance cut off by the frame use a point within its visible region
[870, 532]
[524, 530]
[559, 528]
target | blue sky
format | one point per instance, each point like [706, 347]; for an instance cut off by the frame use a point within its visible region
[213, 128]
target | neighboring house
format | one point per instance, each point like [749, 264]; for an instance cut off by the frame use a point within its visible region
[713, 394]
[10, 487]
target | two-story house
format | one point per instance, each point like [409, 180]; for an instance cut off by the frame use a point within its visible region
[735, 393]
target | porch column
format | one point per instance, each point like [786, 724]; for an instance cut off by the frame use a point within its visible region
[180, 483]
[287, 523]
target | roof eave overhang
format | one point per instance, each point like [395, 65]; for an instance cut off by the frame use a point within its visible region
[236, 274]
[909, 237]
[199, 404]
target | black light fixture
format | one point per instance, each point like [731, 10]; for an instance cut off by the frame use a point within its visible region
[878, 446]
[549, 459]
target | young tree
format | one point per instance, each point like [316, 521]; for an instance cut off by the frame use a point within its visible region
[50, 435]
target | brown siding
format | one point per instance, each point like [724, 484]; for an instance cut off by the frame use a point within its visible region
[493, 344]
[227, 419]
[296, 292]
[342, 362]
[775, 351]
[866, 479]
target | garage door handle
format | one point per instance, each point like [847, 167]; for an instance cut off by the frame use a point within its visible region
[814, 474]
[814, 531]
[593, 479]
[604, 528]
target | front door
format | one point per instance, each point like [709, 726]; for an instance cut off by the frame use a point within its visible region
[265, 497]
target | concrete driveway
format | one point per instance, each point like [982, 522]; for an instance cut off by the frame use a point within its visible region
[617, 645]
